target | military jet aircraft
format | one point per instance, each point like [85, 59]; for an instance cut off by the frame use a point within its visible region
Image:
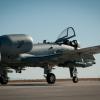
[18, 51]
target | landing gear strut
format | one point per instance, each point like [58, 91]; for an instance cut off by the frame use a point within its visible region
[50, 77]
[3, 78]
[73, 74]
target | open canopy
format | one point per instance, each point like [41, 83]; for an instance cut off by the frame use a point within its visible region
[66, 34]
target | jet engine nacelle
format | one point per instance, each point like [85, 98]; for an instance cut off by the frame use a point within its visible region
[15, 44]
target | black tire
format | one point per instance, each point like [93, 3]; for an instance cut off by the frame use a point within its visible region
[3, 81]
[51, 78]
[75, 79]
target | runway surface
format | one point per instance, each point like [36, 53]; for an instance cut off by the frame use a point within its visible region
[84, 90]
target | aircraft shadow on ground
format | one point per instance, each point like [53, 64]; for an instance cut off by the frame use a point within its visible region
[29, 84]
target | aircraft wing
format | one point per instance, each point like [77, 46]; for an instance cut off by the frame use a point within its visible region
[85, 53]
[89, 50]
[77, 54]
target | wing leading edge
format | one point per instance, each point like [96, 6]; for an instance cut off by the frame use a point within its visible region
[89, 50]
[82, 57]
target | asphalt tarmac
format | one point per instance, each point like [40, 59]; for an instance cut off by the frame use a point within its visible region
[84, 90]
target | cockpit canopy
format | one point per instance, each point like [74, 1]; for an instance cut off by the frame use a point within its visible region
[65, 35]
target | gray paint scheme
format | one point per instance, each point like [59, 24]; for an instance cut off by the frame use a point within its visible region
[18, 51]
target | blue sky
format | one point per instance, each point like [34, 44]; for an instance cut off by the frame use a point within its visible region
[45, 19]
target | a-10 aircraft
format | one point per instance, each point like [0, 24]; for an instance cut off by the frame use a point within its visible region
[18, 51]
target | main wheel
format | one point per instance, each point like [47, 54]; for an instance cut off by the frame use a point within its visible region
[3, 81]
[51, 78]
[75, 79]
